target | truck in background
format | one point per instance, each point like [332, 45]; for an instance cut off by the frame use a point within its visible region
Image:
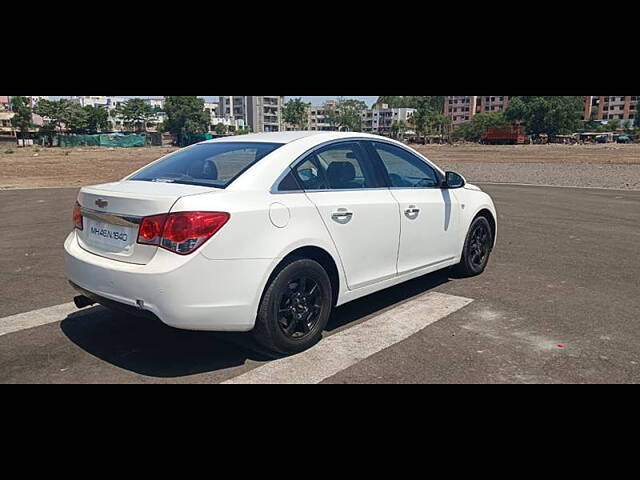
[504, 135]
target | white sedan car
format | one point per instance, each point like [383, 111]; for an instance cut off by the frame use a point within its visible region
[268, 232]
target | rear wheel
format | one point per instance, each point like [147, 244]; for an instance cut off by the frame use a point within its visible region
[295, 308]
[477, 248]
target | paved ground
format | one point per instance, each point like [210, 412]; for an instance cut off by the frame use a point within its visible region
[558, 303]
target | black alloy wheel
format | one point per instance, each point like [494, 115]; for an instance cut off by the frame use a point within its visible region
[299, 307]
[477, 248]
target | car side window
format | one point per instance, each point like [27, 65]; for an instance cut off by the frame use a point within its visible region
[346, 166]
[405, 169]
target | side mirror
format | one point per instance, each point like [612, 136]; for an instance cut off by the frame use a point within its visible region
[454, 180]
[306, 174]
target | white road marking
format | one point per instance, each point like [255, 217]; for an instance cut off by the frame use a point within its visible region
[35, 318]
[348, 347]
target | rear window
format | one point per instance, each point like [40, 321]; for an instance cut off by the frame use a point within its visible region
[207, 164]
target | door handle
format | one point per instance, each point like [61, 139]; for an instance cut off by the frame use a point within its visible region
[342, 215]
[411, 211]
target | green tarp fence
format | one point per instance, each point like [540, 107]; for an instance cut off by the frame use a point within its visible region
[102, 140]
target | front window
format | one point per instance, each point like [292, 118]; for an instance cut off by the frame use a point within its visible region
[207, 164]
[405, 170]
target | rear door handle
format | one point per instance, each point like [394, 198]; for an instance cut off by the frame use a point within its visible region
[412, 211]
[342, 215]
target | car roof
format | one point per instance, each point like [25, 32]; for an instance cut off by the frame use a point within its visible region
[288, 137]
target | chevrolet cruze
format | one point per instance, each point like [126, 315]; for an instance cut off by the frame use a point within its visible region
[268, 232]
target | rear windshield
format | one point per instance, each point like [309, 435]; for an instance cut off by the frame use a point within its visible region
[208, 164]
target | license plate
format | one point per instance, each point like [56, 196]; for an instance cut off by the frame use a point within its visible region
[106, 236]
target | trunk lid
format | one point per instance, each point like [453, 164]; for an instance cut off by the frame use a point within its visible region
[112, 212]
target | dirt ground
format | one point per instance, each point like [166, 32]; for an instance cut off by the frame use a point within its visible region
[626, 154]
[34, 167]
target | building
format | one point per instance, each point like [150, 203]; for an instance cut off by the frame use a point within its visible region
[318, 117]
[463, 109]
[265, 113]
[93, 101]
[380, 118]
[155, 102]
[260, 114]
[110, 103]
[460, 109]
[610, 108]
[6, 129]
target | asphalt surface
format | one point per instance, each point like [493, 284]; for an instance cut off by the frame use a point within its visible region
[559, 302]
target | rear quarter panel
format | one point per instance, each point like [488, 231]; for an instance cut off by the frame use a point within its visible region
[262, 225]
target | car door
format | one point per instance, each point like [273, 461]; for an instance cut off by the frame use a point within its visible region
[429, 214]
[359, 212]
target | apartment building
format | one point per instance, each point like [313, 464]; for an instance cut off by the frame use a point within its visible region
[93, 101]
[462, 109]
[265, 113]
[318, 116]
[6, 129]
[4, 104]
[610, 108]
[380, 118]
[155, 102]
[110, 103]
[259, 113]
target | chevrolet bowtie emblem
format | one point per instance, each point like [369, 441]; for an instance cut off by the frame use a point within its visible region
[101, 203]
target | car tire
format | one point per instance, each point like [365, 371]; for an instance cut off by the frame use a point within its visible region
[294, 308]
[477, 248]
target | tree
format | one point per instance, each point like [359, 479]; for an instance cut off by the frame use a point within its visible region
[480, 123]
[47, 131]
[440, 123]
[221, 129]
[592, 123]
[296, 112]
[186, 117]
[136, 113]
[419, 121]
[346, 115]
[97, 119]
[22, 112]
[63, 114]
[613, 125]
[75, 118]
[428, 117]
[551, 115]
[53, 113]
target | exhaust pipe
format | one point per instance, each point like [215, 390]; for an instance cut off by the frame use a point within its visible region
[81, 301]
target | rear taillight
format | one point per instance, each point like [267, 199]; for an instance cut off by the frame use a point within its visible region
[181, 232]
[150, 229]
[77, 216]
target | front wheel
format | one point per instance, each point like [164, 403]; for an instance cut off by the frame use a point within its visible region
[477, 248]
[295, 308]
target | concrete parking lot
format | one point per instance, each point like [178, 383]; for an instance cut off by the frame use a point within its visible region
[558, 303]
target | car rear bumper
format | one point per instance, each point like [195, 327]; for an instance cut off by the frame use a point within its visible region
[190, 292]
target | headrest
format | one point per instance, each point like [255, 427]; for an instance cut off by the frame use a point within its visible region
[340, 173]
[204, 169]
